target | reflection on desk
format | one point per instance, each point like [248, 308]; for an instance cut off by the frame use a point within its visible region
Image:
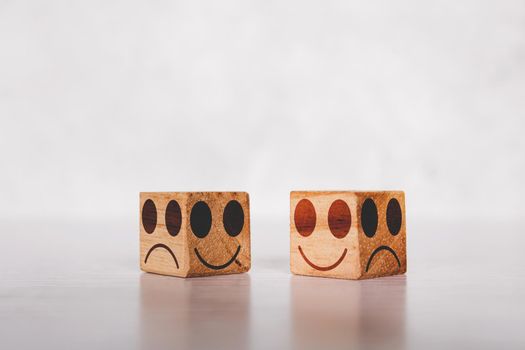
[348, 314]
[215, 312]
[195, 313]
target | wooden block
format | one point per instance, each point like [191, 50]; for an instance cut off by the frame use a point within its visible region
[189, 234]
[346, 234]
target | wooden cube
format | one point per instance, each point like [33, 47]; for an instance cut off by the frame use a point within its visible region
[346, 234]
[189, 234]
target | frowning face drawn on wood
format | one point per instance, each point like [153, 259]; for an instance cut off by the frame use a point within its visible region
[163, 235]
[369, 223]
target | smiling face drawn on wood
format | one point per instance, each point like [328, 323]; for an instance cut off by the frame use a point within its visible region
[339, 223]
[215, 243]
[323, 234]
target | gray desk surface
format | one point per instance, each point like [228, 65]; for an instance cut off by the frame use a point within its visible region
[78, 285]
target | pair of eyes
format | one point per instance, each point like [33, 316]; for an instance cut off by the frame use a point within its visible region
[340, 218]
[200, 218]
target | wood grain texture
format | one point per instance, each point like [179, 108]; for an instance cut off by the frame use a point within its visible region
[210, 241]
[357, 235]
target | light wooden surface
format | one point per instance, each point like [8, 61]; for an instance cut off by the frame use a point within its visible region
[67, 285]
[328, 239]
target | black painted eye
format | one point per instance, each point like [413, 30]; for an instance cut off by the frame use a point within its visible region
[369, 217]
[200, 219]
[149, 216]
[233, 218]
[173, 217]
[394, 216]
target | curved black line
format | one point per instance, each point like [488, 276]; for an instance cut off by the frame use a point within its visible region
[383, 247]
[160, 245]
[217, 267]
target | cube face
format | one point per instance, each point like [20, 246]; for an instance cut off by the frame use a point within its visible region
[190, 234]
[314, 249]
[225, 248]
[382, 233]
[162, 251]
[351, 235]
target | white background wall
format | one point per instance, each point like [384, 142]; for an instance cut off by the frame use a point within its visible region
[102, 99]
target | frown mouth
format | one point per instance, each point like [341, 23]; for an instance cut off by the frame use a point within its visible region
[217, 267]
[163, 246]
[323, 268]
[381, 248]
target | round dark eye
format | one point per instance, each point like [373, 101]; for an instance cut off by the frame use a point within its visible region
[200, 219]
[305, 217]
[173, 218]
[149, 216]
[233, 218]
[369, 217]
[339, 218]
[394, 216]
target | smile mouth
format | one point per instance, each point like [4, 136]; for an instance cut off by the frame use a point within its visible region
[163, 246]
[381, 248]
[322, 268]
[218, 267]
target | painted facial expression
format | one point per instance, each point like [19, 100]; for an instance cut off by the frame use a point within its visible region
[192, 234]
[369, 224]
[173, 220]
[347, 234]
[339, 222]
[201, 221]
